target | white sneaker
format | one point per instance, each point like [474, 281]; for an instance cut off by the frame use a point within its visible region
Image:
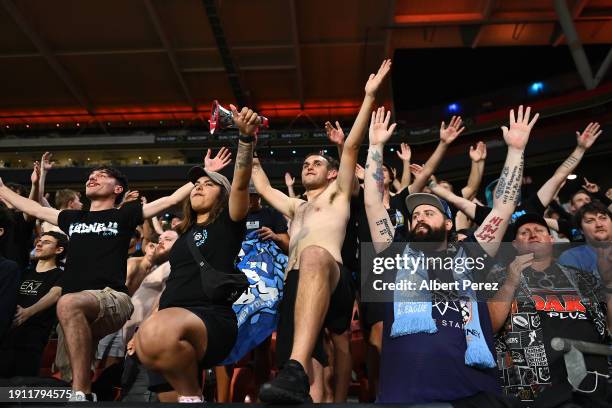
[185, 399]
[80, 396]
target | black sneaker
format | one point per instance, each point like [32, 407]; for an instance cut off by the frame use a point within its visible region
[291, 386]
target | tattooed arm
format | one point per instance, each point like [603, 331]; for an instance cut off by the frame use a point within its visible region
[381, 228]
[247, 122]
[506, 194]
[547, 192]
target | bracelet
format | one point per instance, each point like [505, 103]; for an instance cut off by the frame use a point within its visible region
[246, 138]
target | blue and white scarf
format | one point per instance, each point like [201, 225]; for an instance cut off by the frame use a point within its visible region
[412, 311]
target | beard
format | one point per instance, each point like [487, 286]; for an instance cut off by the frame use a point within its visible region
[159, 257]
[435, 235]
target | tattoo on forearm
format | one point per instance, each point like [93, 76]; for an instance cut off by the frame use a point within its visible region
[509, 184]
[487, 232]
[384, 229]
[571, 162]
[244, 157]
[378, 174]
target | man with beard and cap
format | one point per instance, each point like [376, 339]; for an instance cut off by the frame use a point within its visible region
[437, 344]
[540, 299]
[145, 300]
[21, 351]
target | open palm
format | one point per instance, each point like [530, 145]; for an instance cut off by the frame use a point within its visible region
[380, 131]
[334, 134]
[221, 159]
[520, 128]
[589, 135]
[449, 133]
[375, 80]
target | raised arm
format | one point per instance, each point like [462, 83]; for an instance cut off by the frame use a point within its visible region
[28, 206]
[462, 204]
[247, 122]
[45, 166]
[155, 207]
[336, 136]
[506, 194]
[405, 154]
[221, 159]
[346, 172]
[585, 140]
[381, 227]
[447, 135]
[280, 201]
[478, 156]
[289, 182]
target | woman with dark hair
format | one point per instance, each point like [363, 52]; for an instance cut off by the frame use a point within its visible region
[195, 327]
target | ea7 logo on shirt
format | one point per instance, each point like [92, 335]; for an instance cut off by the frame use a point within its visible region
[109, 229]
[200, 238]
[30, 287]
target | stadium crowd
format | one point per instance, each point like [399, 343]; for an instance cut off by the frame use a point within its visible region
[229, 285]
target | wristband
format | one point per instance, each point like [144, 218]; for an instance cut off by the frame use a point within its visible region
[246, 138]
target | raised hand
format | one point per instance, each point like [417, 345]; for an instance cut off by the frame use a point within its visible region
[520, 127]
[588, 136]
[380, 131]
[222, 159]
[246, 120]
[46, 162]
[590, 187]
[35, 173]
[289, 180]
[130, 195]
[479, 152]
[404, 153]
[416, 169]
[516, 267]
[334, 134]
[375, 80]
[449, 133]
[359, 172]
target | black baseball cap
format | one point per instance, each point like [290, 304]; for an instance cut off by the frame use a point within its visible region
[529, 218]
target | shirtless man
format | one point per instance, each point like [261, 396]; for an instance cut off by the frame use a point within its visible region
[317, 231]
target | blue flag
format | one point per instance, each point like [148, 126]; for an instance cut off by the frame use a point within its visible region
[264, 264]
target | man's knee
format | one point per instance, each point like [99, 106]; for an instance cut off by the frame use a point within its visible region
[315, 259]
[67, 306]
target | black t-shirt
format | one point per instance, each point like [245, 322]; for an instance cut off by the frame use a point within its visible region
[33, 287]
[10, 275]
[547, 305]
[266, 217]
[99, 242]
[219, 243]
[19, 240]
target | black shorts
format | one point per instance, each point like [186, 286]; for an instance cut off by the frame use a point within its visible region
[222, 328]
[337, 319]
[371, 313]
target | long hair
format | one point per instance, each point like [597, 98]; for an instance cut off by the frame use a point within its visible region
[190, 216]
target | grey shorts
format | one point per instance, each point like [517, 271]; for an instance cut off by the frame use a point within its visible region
[111, 346]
